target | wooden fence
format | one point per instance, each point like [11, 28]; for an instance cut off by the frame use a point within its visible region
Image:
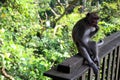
[74, 69]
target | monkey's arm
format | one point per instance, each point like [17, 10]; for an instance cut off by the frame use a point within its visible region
[94, 32]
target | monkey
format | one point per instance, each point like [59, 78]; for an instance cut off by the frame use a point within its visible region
[82, 32]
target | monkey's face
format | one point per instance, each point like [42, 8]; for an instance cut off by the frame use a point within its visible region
[92, 19]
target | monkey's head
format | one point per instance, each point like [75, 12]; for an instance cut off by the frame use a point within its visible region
[92, 19]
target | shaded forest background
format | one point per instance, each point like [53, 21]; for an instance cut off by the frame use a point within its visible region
[36, 34]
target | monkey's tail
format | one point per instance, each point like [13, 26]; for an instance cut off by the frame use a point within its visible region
[101, 42]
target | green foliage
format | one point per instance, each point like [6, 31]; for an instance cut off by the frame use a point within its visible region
[108, 28]
[110, 11]
[18, 28]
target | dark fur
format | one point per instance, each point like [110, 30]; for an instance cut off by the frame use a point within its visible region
[83, 30]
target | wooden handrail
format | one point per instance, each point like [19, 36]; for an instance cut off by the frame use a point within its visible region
[73, 68]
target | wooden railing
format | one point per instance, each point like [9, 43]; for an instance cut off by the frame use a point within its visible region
[74, 69]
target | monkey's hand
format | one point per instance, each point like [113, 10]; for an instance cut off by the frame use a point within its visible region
[97, 27]
[95, 31]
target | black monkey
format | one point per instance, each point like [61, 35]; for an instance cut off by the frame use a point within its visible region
[82, 32]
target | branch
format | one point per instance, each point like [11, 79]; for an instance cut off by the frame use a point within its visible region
[66, 9]
[58, 1]
[53, 11]
[2, 69]
[5, 74]
[46, 16]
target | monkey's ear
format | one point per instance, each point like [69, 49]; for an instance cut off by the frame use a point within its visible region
[88, 14]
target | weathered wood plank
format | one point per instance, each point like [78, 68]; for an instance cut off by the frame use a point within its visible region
[111, 37]
[97, 76]
[74, 72]
[119, 71]
[104, 68]
[70, 64]
[64, 76]
[117, 63]
[83, 77]
[90, 74]
[113, 64]
[106, 49]
[109, 66]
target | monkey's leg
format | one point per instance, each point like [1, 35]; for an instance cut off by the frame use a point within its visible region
[94, 48]
[85, 54]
